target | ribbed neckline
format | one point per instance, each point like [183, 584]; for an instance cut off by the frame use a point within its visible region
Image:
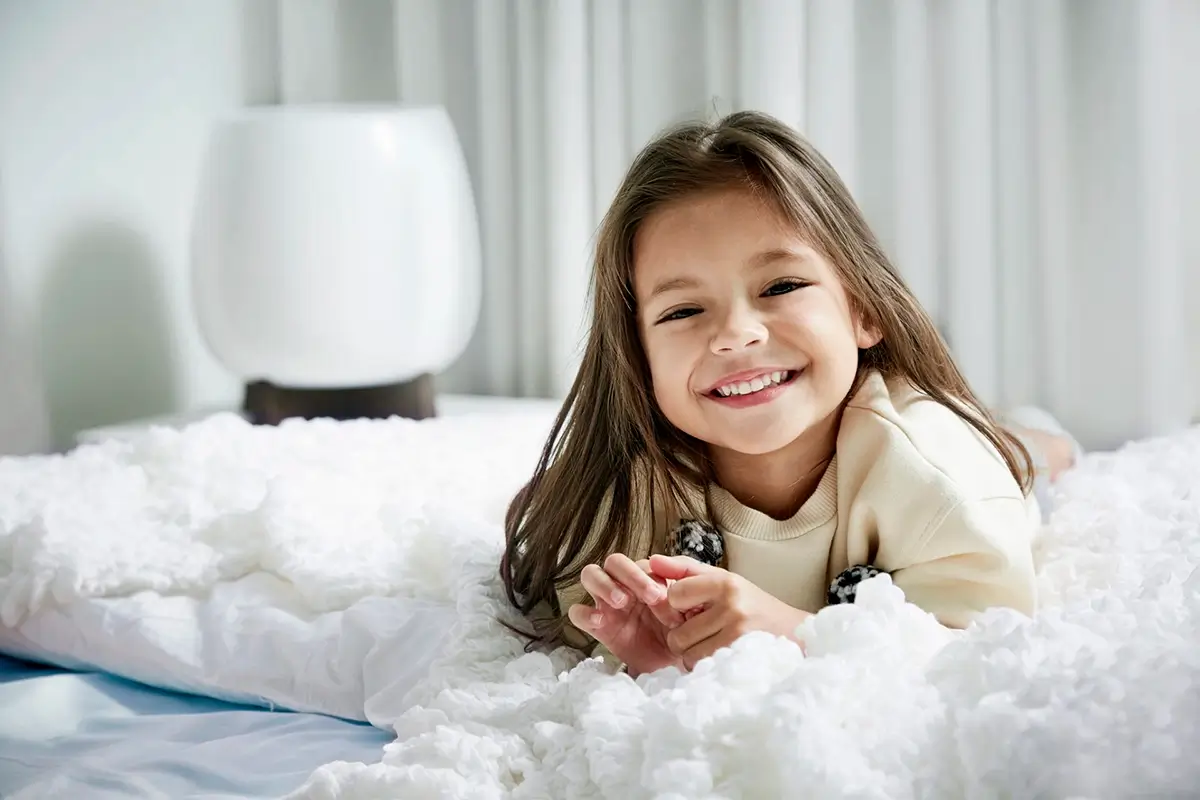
[748, 523]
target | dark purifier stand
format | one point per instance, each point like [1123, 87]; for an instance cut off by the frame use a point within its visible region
[267, 404]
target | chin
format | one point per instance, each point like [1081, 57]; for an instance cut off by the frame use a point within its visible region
[759, 445]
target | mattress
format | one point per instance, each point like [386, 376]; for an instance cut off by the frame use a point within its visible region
[89, 735]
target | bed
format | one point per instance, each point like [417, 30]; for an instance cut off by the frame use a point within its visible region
[96, 736]
[223, 591]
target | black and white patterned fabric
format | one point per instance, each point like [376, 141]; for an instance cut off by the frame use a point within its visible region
[845, 586]
[700, 540]
[705, 543]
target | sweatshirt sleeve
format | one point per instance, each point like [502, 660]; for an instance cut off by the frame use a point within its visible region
[977, 556]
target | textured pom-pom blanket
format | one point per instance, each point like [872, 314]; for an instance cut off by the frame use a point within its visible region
[351, 569]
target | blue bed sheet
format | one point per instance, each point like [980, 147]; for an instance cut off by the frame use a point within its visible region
[90, 735]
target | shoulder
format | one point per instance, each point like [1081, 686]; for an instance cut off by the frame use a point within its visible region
[902, 446]
[944, 514]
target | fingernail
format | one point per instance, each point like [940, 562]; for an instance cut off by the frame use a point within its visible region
[654, 593]
[618, 598]
[597, 619]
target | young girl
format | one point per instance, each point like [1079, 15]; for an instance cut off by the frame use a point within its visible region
[763, 417]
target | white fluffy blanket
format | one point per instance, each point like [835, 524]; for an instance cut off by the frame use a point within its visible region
[1099, 696]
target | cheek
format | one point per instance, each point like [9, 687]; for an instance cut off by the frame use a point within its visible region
[669, 376]
[668, 368]
[824, 325]
[833, 345]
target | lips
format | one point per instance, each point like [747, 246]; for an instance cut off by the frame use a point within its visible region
[752, 388]
[764, 380]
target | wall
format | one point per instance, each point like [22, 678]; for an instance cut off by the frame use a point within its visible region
[104, 109]
[1188, 53]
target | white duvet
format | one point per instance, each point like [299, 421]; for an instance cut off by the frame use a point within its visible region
[322, 567]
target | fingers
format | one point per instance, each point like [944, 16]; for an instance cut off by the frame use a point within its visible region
[646, 586]
[621, 578]
[695, 630]
[662, 610]
[676, 568]
[699, 637]
[602, 586]
[699, 590]
[587, 619]
[622, 581]
[667, 616]
[622, 569]
[702, 650]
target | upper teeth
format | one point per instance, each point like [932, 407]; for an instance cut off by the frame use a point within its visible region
[756, 385]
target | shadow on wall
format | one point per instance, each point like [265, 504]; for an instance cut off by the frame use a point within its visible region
[23, 423]
[105, 337]
[258, 34]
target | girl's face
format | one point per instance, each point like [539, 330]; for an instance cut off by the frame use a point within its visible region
[747, 329]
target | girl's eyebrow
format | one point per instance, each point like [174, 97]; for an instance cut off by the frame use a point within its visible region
[757, 261]
[768, 257]
[672, 285]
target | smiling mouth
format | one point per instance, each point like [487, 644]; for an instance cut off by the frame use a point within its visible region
[759, 384]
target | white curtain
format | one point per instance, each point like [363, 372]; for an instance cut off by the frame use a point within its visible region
[1024, 161]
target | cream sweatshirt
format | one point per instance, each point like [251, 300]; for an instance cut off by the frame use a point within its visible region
[912, 490]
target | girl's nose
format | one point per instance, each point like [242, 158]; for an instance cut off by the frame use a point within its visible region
[741, 328]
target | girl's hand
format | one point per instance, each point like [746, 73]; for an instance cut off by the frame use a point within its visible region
[720, 607]
[631, 617]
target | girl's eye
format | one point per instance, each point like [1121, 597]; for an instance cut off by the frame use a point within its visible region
[679, 313]
[783, 287]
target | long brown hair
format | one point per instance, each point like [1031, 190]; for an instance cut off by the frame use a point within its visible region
[612, 457]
